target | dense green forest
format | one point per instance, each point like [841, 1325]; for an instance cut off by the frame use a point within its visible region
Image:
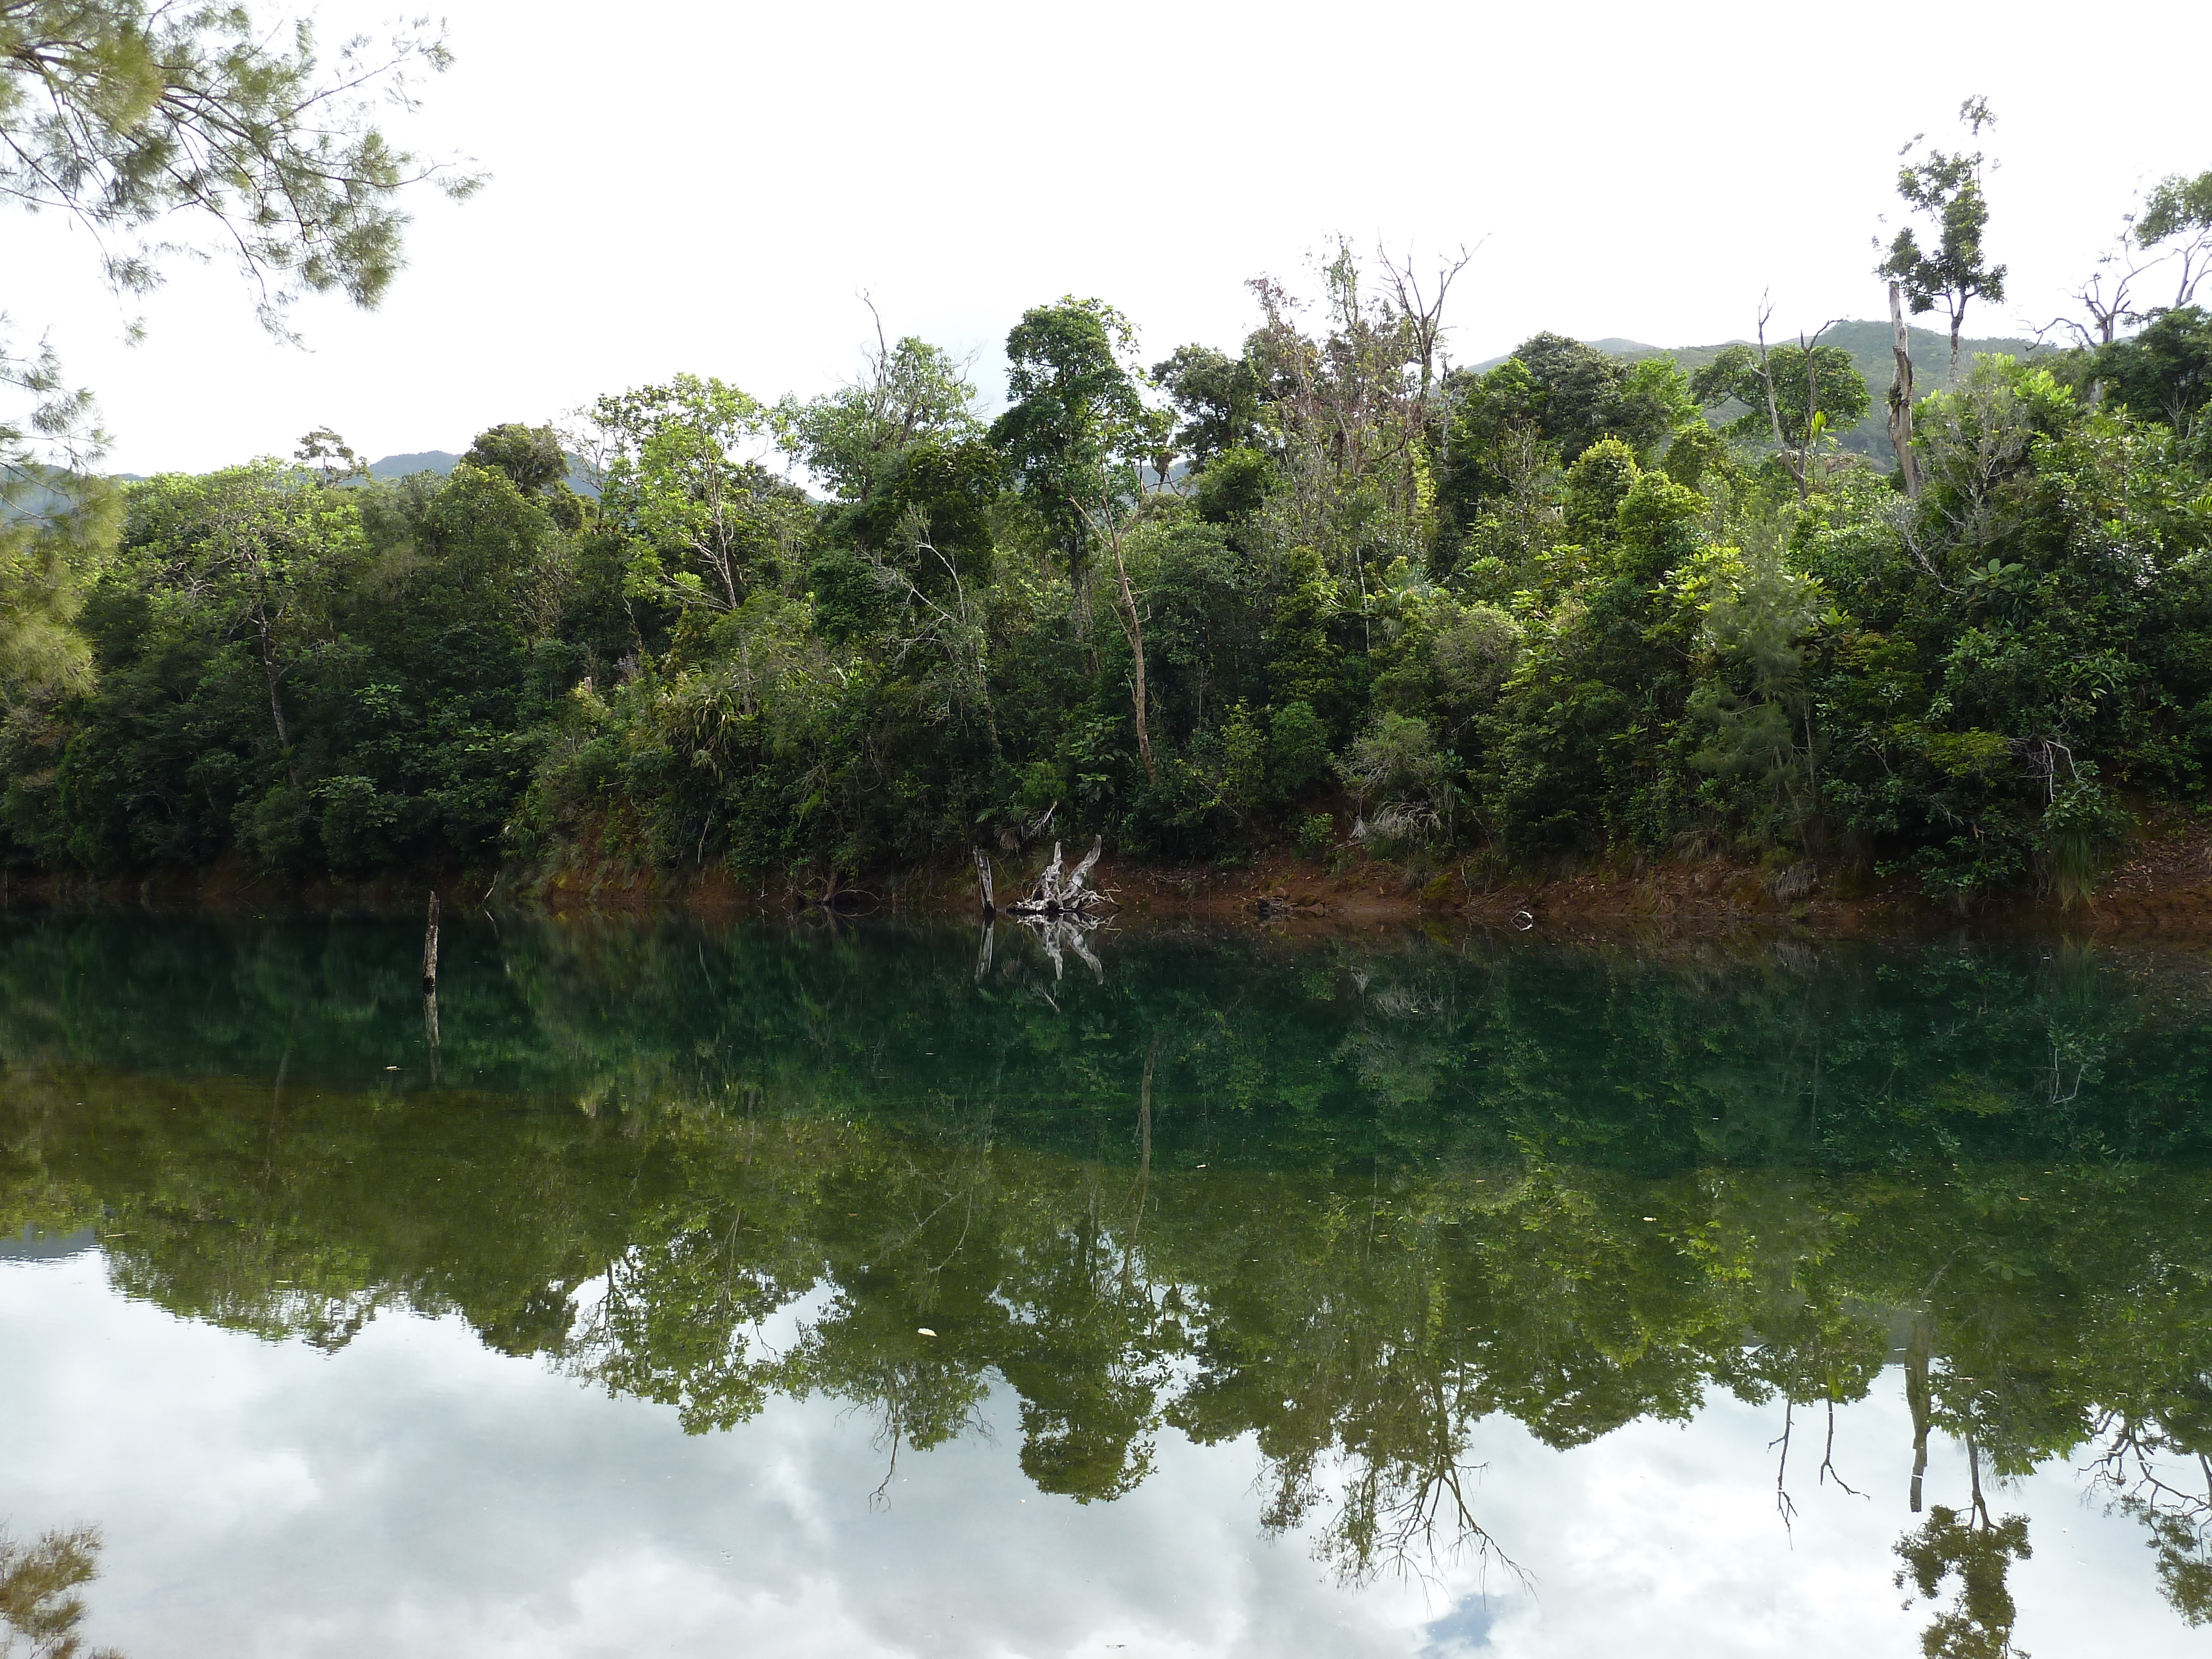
[1321, 591]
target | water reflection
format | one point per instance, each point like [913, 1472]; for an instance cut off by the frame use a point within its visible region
[1348, 1206]
[41, 1610]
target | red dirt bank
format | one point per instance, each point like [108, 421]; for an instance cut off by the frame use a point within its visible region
[2163, 887]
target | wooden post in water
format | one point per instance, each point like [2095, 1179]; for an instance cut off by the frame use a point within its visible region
[431, 948]
[430, 985]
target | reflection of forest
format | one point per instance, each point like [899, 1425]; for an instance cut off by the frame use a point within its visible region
[1349, 1205]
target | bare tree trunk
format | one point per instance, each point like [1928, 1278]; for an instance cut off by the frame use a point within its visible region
[431, 948]
[1773, 408]
[1812, 409]
[1133, 626]
[1917, 1345]
[1900, 396]
[276, 699]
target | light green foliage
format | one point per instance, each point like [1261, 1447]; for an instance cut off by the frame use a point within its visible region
[1401, 780]
[855, 438]
[1697, 453]
[56, 531]
[1396, 756]
[705, 518]
[1598, 484]
[50, 556]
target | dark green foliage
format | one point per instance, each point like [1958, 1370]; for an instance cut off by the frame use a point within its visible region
[2165, 373]
[1218, 399]
[931, 510]
[1072, 408]
[1233, 485]
[1577, 394]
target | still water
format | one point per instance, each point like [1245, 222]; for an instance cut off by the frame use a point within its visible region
[844, 1291]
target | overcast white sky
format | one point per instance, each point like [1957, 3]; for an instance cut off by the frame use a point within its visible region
[709, 186]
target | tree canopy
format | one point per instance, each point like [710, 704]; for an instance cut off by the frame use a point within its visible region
[1319, 587]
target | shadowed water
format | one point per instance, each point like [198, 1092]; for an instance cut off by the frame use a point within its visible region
[863, 1290]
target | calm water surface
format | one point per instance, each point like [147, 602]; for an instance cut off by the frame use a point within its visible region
[848, 1292]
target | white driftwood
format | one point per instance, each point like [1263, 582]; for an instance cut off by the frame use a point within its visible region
[1075, 881]
[1074, 935]
[1058, 895]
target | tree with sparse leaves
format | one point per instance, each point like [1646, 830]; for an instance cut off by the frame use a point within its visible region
[1956, 270]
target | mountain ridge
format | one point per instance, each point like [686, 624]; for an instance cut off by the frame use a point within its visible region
[1870, 344]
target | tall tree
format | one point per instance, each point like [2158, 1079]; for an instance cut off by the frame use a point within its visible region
[2177, 219]
[265, 550]
[855, 439]
[1947, 189]
[705, 518]
[1073, 415]
[1218, 397]
[2174, 222]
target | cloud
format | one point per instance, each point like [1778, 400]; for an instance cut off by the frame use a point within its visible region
[416, 1493]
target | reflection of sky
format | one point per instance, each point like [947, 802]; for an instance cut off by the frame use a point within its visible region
[416, 1494]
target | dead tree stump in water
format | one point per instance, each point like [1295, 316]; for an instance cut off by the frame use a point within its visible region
[1057, 896]
[431, 948]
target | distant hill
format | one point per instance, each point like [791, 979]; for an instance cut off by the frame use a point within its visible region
[1868, 345]
[440, 461]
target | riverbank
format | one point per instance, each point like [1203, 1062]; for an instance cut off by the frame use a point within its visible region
[2161, 886]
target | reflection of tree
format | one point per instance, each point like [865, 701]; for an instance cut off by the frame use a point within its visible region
[1402, 1508]
[40, 1609]
[1351, 1206]
[2142, 1466]
[1979, 1554]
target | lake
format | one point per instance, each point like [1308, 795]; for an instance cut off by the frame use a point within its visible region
[854, 1290]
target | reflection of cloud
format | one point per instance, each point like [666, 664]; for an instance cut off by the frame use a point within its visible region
[36, 1244]
[1463, 1630]
[416, 1494]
